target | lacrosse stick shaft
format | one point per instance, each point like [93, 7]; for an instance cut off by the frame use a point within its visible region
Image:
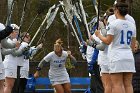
[29, 28]
[84, 17]
[95, 6]
[98, 14]
[78, 28]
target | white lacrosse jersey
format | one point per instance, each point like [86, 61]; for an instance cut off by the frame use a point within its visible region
[10, 61]
[123, 31]
[21, 60]
[57, 71]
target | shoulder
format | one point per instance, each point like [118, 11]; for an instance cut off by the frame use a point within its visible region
[130, 18]
[65, 52]
[130, 24]
[51, 53]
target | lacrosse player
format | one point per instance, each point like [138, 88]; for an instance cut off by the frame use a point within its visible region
[10, 62]
[58, 75]
[23, 61]
[121, 36]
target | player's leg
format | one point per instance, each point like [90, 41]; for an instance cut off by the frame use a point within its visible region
[67, 87]
[59, 88]
[117, 82]
[107, 83]
[10, 75]
[127, 79]
[2, 77]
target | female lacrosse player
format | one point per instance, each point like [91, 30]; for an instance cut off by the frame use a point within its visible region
[24, 63]
[10, 63]
[4, 32]
[58, 75]
[121, 36]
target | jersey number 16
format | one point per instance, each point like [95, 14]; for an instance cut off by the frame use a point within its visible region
[129, 36]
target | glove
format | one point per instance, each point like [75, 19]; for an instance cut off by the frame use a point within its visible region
[90, 68]
[83, 51]
[26, 52]
[32, 51]
[91, 43]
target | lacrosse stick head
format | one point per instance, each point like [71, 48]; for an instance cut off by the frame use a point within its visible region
[92, 25]
[68, 8]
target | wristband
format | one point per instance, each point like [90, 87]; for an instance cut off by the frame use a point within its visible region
[38, 68]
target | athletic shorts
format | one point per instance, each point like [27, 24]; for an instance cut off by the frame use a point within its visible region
[2, 74]
[24, 74]
[104, 68]
[11, 73]
[59, 82]
[121, 66]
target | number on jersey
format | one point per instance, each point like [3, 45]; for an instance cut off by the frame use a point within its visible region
[129, 36]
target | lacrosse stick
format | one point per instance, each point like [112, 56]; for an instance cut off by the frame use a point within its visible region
[68, 64]
[43, 22]
[67, 25]
[50, 20]
[43, 4]
[69, 18]
[84, 17]
[95, 6]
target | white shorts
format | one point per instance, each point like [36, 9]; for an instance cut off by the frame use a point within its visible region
[11, 73]
[59, 82]
[2, 74]
[121, 66]
[104, 68]
[24, 74]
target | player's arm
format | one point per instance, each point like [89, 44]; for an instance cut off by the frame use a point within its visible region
[107, 40]
[40, 65]
[73, 59]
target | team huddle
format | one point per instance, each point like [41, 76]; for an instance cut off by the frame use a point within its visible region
[109, 48]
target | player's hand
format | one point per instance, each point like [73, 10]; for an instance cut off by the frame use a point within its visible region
[17, 44]
[36, 75]
[69, 53]
[39, 46]
[97, 33]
